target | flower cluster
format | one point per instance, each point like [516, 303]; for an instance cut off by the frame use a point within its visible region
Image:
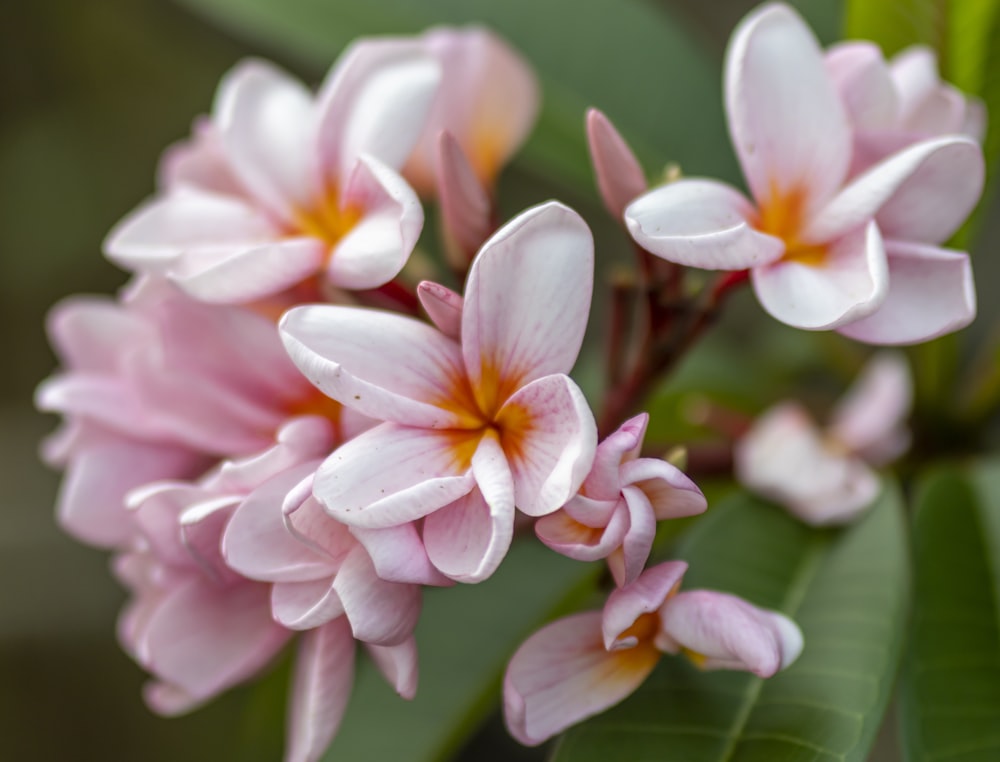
[274, 441]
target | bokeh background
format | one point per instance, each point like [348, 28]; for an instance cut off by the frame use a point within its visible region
[90, 94]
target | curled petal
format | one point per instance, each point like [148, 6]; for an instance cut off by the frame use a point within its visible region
[604, 481]
[638, 540]
[399, 555]
[398, 665]
[931, 293]
[726, 632]
[443, 307]
[849, 283]
[305, 605]
[700, 223]
[562, 674]
[620, 178]
[468, 539]
[644, 596]
[380, 612]
[568, 536]
[671, 493]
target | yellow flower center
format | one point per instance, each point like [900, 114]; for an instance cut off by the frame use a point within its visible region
[783, 216]
[327, 220]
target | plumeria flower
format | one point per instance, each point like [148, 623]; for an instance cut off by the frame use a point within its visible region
[488, 101]
[478, 416]
[894, 104]
[614, 516]
[824, 477]
[282, 185]
[823, 252]
[580, 665]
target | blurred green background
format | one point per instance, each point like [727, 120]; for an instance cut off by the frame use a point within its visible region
[90, 94]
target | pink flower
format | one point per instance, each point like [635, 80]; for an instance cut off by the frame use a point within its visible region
[895, 104]
[823, 477]
[281, 186]
[488, 101]
[824, 253]
[473, 424]
[614, 516]
[580, 665]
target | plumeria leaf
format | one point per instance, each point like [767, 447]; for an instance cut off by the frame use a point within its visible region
[847, 590]
[465, 637]
[950, 697]
[574, 68]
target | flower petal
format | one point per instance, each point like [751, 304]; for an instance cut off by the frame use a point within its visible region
[384, 365]
[638, 541]
[380, 612]
[443, 306]
[321, 687]
[670, 492]
[466, 540]
[391, 475]
[700, 223]
[466, 207]
[644, 596]
[305, 605]
[731, 633]
[604, 481]
[861, 76]
[931, 293]
[398, 665]
[375, 100]
[786, 121]
[562, 674]
[620, 178]
[399, 555]
[550, 438]
[91, 333]
[566, 535]
[527, 300]
[850, 283]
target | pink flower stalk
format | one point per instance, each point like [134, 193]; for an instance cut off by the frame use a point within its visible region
[824, 251]
[823, 477]
[157, 387]
[488, 101]
[282, 186]
[474, 423]
[894, 104]
[615, 513]
[580, 665]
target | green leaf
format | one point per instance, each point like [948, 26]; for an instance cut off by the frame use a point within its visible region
[465, 637]
[950, 693]
[623, 56]
[848, 592]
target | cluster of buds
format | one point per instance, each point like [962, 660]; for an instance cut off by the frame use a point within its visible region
[273, 440]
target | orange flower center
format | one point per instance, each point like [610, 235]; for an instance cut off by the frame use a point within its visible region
[783, 216]
[328, 220]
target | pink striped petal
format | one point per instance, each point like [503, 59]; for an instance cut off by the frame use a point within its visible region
[321, 687]
[550, 439]
[726, 632]
[466, 541]
[305, 605]
[399, 555]
[346, 351]
[380, 612]
[398, 665]
[620, 178]
[466, 207]
[644, 596]
[931, 293]
[850, 283]
[392, 475]
[266, 121]
[562, 674]
[443, 306]
[700, 223]
[526, 301]
[375, 100]
[870, 419]
[785, 119]
[670, 492]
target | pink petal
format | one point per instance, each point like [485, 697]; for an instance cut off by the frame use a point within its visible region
[91, 333]
[305, 605]
[312, 526]
[466, 207]
[550, 438]
[266, 121]
[380, 612]
[259, 546]
[399, 555]
[443, 306]
[620, 178]
[915, 74]
[108, 401]
[526, 301]
[638, 541]
[384, 365]
[931, 293]
[201, 528]
[901, 189]
[169, 700]
[670, 492]
[850, 282]
[391, 475]
[644, 596]
[198, 162]
[569, 537]
[870, 419]
[700, 223]
[398, 664]
[374, 100]
[785, 119]
[604, 480]
[467, 540]
[155, 235]
[321, 687]
[730, 633]
[934, 201]
[562, 674]
[861, 76]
